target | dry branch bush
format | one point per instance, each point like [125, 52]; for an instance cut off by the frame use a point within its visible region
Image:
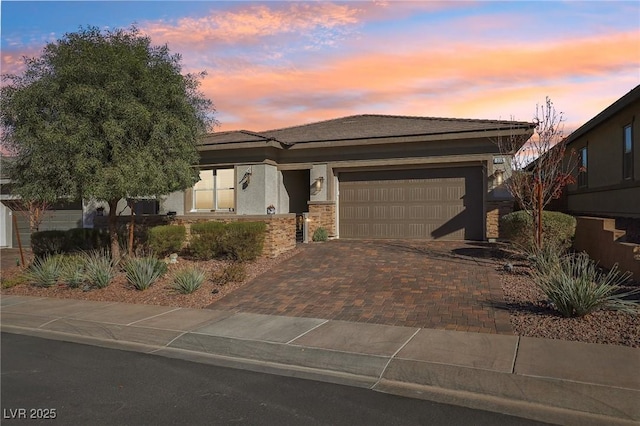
[32, 210]
[541, 165]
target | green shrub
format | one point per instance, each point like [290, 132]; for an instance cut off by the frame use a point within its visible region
[100, 268]
[206, 239]
[166, 239]
[243, 240]
[13, 281]
[576, 287]
[84, 239]
[236, 240]
[73, 271]
[188, 280]
[48, 243]
[320, 234]
[206, 227]
[143, 271]
[558, 229]
[44, 271]
[233, 273]
[73, 240]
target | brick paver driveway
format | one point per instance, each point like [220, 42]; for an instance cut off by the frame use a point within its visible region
[450, 285]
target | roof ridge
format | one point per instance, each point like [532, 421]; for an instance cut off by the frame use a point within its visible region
[312, 123]
[420, 117]
[409, 117]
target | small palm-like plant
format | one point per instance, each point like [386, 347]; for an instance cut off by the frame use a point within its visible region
[144, 271]
[45, 271]
[100, 268]
[577, 287]
[188, 280]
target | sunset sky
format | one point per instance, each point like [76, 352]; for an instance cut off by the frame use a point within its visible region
[276, 64]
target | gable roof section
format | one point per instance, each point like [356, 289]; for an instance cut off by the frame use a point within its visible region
[365, 127]
[371, 126]
[632, 96]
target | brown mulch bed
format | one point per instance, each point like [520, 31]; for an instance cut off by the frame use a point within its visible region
[530, 314]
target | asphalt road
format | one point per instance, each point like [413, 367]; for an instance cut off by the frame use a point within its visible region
[87, 385]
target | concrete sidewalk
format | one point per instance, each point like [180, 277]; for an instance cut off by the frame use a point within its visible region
[547, 380]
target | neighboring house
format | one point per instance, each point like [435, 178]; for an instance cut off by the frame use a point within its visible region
[60, 216]
[606, 195]
[363, 176]
[608, 149]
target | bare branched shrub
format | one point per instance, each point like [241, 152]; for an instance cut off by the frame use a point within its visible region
[542, 167]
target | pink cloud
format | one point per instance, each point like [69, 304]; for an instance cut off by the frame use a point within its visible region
[475, 82]
[249, 24]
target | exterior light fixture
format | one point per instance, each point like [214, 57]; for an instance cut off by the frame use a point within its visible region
[498, 177]
[246, 178]
[317, 185]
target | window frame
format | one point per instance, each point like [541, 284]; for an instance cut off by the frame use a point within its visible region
[213, 191]
[583, 161]
[627, 157]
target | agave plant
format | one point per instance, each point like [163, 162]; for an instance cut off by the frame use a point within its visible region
[73, 271]
[188, 280]
[577, 287]
[44, 271]
[100, 268]
[144, 271]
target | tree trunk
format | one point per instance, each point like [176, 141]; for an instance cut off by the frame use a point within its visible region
[113, 229]
[132, 224]
[539, 224]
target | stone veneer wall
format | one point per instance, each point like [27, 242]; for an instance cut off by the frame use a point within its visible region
[322, 214]
[495, 210]
[281, 229]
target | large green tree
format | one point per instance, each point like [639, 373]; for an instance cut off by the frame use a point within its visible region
[104, 115]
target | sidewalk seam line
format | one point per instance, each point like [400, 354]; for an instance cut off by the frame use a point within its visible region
[168, 343]
[154, 316]
[515, 356]
[393, 356]
[49, 322]
[306, 332]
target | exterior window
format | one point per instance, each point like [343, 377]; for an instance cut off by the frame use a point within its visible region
[627, 153]
[582, 167]
[215, 190]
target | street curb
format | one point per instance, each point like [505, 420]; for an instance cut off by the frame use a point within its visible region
[381, 381]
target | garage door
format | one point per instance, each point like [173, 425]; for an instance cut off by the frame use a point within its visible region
[425, 204]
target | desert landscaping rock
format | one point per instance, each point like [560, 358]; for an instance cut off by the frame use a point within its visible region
[529, 313]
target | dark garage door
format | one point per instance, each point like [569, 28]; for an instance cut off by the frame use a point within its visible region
[441, 203]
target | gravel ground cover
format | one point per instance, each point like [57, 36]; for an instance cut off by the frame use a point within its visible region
[530, 314]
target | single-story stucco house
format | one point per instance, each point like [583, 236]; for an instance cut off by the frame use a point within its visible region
[363, 176]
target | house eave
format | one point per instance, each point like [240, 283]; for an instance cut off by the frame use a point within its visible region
[632, 96]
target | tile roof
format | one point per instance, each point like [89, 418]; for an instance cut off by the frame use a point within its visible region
[366, 126]
[235, 136]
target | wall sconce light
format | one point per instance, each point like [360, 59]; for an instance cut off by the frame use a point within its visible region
[246, 178]
[317, 185]
[498, 177]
